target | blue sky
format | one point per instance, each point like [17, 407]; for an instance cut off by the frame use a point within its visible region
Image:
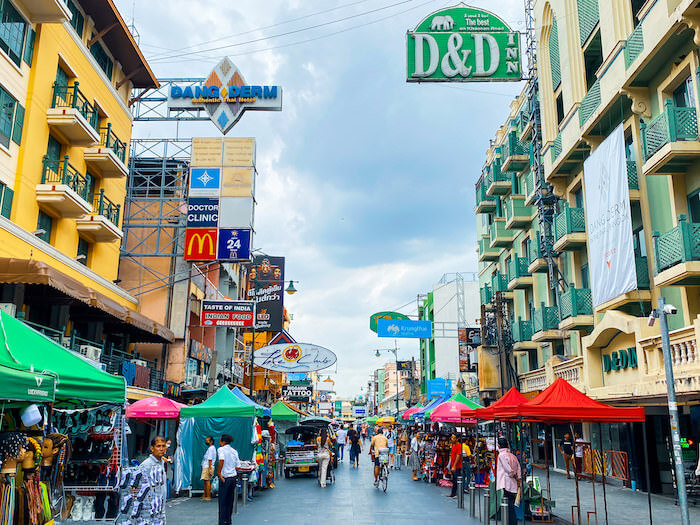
[366, 183]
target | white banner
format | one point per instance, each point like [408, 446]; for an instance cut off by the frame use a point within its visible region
[609, 220]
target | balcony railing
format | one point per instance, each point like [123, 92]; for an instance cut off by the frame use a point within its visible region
[536, 250]
[533, 380]
[72, 97]
[634, 46]
[672, 125]
[482, 196]
[632, 177]
[485, 250]
[521, 330]
[499, 234]
[545, 318]
[643, 281]
[569, 220]
[105, 207]
[516, 208]
[485, 294]
[122, 363]
[555, 150]
[678, 245]
[517, 268]
[62, 172]
[575, 302]
[109, 139]
[512, 147]
[499, 282]
[571, 370]
[590, 103]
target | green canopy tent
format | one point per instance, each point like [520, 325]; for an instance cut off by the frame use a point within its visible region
[371, 420]
[19, 385]
[281, 412]
[76, 380]
[460, 398]
[222, 413]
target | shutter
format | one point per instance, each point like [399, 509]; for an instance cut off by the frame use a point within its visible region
[588, 17]
[554, 55]
[19, 123]
[7, 196]
[29, 46]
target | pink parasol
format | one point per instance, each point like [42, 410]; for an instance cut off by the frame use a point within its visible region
[409, 413]
[154, 408]
[450, 412]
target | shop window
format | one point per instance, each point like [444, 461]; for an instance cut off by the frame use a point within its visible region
[44, 225]
[12, 31]
[560, 106]
[102, 58]
[83, 251]
[683, 96]
[636, 6]
[592, 59]
[694, 206]
[77, 20]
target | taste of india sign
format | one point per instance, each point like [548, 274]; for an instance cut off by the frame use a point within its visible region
[462, 44]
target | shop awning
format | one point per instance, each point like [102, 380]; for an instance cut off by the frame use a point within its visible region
[77, 381]
[561, 402]
[509, 401]
[20, 385]
[31, 271]
[281, 412]
[259, 409]
[221, 404]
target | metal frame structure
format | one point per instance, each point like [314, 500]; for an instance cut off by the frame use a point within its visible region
[151, 105]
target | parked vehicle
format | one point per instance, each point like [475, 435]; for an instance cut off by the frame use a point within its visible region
[300, 457]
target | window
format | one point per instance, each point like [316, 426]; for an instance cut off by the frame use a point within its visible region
[593, 59]
[629, 146]
[12, 30]
[560, 106]
[61, 77]
[694, 206]
[683, 95]
[83, 251]
[77, 20]
[578, 198]
[53, 149]
[585, 277]
[6, 195]
[103, 60]
[640, 248]
[636, 6]
[44, 224]
[11, 119]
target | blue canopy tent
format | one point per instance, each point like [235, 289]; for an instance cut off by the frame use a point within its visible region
[420, 414]
[259, 409]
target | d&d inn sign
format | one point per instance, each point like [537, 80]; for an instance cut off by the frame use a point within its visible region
[463, 44]
[620, 360]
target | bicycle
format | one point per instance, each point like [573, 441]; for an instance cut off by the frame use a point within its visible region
[383, 479]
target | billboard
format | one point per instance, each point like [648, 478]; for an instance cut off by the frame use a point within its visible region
[384, 315]
[359, 411]
[404, 329]
[404, 366]
[298, 357]
[462, 44]
[227, 313]
[302, 393]
[201, 244]
[609, 220]
[265, 286]
[469, 339]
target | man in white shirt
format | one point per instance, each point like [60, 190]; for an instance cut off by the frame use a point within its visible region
[208, 463]
[228, 463]
[391, 440]
[342, 438]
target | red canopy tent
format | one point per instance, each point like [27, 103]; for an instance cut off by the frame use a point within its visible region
[510, 399]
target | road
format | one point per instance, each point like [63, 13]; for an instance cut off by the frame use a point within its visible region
[352, 500]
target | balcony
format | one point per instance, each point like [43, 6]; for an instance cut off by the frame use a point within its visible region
[533, 381]
[518, 274]
[102, 225]
[576, 309]
[670, 141]
[589, 103]
[499, 283]
[677, 255]
[485, 294]
[109, 157]
[634, 46]
[537, 263]
[137, 372]
[641, 295]
[633, 180]
[569, 229]
[546, 324]
[63, 191]
[45, 11]
[571, 370]
[72, 117]
[525, 125]
[486, 253]
[484, 203]
[521, 330]
[516, 155]
[518, 216]
[497, 182]
[500, 236]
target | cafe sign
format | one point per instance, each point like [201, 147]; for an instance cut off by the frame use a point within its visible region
[463, 44]
[297, 357]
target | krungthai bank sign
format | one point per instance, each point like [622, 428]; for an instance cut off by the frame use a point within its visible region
[225, 96]
[462, 44]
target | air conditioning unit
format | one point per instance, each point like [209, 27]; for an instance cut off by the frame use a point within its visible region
[91, 352]
[139, 362]
[197, 381]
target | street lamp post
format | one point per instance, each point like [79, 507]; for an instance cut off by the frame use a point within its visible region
[394, 351]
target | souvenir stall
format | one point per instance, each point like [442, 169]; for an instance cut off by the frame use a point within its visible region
[222, 413]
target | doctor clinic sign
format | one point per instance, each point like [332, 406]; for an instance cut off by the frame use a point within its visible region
[463, 44]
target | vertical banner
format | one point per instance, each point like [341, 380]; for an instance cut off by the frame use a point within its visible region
[609, 220]
[469, 340]
[265, 286]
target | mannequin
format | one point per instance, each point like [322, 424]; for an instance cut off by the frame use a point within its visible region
[13, 446]
[48, 452]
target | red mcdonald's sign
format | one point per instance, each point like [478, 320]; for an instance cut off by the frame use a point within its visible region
[200, 244]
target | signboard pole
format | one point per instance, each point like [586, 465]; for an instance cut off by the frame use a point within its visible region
[252, 344]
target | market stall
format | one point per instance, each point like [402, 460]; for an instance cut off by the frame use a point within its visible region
[149, 418]
[284, 418]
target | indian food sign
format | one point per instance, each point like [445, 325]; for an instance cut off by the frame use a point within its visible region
[463, 44]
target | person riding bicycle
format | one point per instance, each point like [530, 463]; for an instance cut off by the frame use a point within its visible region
[379, 441]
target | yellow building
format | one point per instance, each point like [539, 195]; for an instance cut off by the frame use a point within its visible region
[67, 69]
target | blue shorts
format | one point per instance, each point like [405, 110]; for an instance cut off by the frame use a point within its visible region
[392, 450]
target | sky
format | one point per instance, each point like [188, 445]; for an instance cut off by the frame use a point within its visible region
[366, 182]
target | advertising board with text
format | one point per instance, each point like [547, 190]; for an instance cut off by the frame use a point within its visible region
[201, 244]
[265, 286]
[227, 313]
[299, 357]
[404, 329]
[469, 340]
[297, 393]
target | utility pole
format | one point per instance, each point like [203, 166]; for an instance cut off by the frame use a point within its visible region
[255, 322]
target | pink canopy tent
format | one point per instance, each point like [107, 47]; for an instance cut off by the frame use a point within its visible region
[450, 412]
[409, 413]
[154, 408]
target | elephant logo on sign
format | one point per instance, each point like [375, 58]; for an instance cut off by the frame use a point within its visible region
[442, 23]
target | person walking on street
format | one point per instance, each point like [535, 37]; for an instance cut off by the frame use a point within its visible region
[414, 459]
[324, 445]
[355, 447]
[455, 463]
[578, 459]
[342, 439]
[508, 476]
[226, 471]
[157, 460]
[364, 432]
[566, 447]
[391, 442]
[208, 462]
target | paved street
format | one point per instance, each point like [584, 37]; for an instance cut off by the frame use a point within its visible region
[353, 500]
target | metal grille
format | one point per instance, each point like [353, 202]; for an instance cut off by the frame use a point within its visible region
[590, 103]
[485, 293]
[632, 176]
[569, 220]
[588, 17]
[521, 330]
[576, 301]
[512, 146]
[686, 124]
[546, 318]
[634, 46]
[672, 125]
[680, 244]
[655, 135]
[499, 282]
[517, 267]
